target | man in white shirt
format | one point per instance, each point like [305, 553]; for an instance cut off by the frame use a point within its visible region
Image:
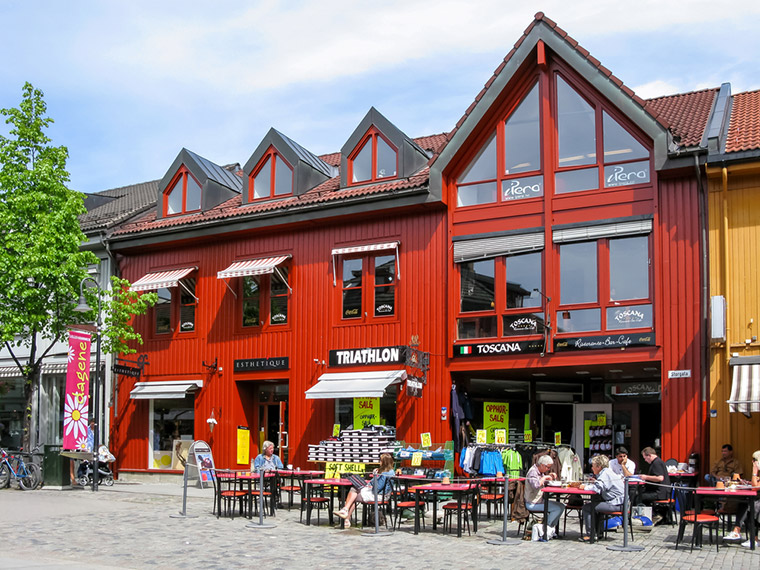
[621, 464]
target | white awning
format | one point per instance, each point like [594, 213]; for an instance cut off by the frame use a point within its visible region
[593, 232]
[364, 248]
[162, 279]
[173, 389]
[745, 389]
[354, 384]
[494, 246]
[249, 267]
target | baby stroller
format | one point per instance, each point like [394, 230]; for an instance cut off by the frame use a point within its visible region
[105, 475]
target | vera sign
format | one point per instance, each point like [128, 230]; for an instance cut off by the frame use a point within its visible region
[76, 410]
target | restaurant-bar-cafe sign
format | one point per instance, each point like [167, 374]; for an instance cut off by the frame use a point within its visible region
[604, 341]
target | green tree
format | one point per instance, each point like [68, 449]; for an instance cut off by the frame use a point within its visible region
[41, 263]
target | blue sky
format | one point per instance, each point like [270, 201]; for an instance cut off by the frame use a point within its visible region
[131, 83]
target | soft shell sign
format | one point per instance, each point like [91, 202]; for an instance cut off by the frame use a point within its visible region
[76, 409]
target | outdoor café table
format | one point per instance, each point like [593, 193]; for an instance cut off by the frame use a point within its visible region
[250, 477]
[584, 493]
[745, 493]
[343, 484]
[456, 489]
[296, 475]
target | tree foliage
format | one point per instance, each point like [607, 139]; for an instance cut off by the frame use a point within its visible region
[41, 263]
[121, 305]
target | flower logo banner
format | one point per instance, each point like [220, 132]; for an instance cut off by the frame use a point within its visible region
[76, 410]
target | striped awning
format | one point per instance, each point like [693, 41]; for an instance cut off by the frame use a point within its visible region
[249, 267]
[363, 248]
[161, 279]
[745, 389]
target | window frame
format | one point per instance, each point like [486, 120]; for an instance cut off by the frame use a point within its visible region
[271, 154]
[604, 301]
[175, 311]
[370, 136]
[265, 301]
[500, 309]
[183, 172]
[368, 287]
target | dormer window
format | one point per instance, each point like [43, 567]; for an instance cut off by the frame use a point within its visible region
[183, 194]
[375, 159]
[272, 178]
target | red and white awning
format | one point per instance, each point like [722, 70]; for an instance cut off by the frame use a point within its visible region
[745, 389]
[161, 279]
[249, 267]
[363, 248]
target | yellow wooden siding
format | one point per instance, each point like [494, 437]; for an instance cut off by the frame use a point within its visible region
[743, 309]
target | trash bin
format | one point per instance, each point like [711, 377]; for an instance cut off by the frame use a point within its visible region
[55, 467]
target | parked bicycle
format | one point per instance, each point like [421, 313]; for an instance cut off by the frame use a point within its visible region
[28, 476]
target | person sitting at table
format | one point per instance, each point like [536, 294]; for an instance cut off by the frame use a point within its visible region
[658, 473]
[383, 479]
[536, 478]
[742, 511]
[622, 465]
[610, 489]
[267, 461]
[727, 467]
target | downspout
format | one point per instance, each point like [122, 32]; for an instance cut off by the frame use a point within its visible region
[726, 280]
[703, 204]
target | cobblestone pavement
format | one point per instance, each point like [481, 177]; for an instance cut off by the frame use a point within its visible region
[129, 526]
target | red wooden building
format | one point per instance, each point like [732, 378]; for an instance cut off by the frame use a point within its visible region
[546, 253]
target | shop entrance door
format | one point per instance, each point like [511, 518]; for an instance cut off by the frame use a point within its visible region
[283, 441]
[583, 413]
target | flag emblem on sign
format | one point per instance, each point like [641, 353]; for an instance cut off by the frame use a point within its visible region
[465, 350]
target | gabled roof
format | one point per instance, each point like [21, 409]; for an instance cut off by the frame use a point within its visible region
[545, 30]
[109, 208]
[309, 157]
[326, 194]
[744, 126]
[214, 172]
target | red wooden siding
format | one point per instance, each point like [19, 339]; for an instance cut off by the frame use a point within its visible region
[313, 329]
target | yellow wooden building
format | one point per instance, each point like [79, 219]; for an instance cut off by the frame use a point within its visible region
[733, 213]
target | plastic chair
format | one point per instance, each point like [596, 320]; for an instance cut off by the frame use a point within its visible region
[698, 520]
[313, 498]
[606, 516]
[402, 500]
[572, 508]
[229, 493]
[493, 495]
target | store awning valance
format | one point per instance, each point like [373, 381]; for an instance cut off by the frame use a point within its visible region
[493, 246]
[250, 267]
[745, 389]
[161, 279]
[354, 384]
[365, 248]
[170, 390]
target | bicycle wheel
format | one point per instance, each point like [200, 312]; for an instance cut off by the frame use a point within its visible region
[32, 479]
[5, 475]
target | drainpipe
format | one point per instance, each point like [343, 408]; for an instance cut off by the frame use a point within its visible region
[703, 204]
[726, 281]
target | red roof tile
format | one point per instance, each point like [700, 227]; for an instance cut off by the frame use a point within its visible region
[687, 113]
[744, 127]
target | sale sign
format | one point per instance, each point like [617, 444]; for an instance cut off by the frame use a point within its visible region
[366, 412]
[495, 416]
[76, 409]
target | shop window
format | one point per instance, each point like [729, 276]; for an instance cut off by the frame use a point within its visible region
[369, 287]
[375, 159]
[183, 194]
[516, 300]
[273, 177]
[171, 425]
[605, 285]
[260, 291]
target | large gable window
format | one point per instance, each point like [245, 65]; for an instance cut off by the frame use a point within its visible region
[580, 147]
[272, 178]
[374, 159]
[183, 194]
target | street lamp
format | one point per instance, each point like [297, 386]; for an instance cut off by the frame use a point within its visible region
[83, 307]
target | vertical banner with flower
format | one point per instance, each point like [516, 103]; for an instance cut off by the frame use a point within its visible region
[76, 410]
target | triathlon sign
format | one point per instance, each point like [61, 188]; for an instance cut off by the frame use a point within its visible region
[368, 356]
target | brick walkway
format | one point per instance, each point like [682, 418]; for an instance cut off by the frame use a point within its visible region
[128, 526]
